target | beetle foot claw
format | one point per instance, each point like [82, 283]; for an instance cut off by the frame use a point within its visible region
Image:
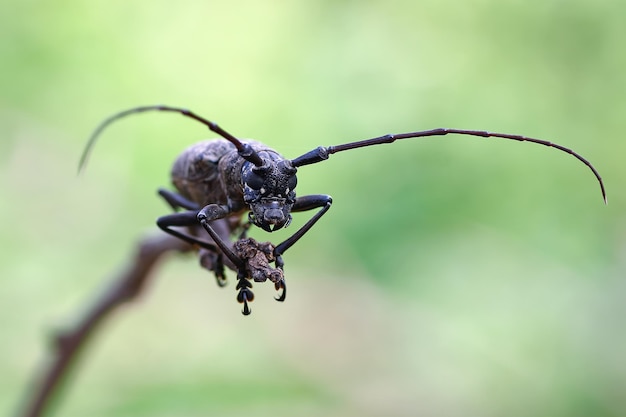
[282, 287]
[280, 284]
[214, 262]
[221, 280]
[245, 295]
[246, 310]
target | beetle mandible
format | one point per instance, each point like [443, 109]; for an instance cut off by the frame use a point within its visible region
[219, 180]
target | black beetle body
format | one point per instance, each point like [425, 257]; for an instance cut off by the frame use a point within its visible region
[220, 180]
[212, 171]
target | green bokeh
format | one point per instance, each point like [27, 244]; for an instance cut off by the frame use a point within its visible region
[453, 276]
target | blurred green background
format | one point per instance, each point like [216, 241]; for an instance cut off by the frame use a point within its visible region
[453, 276]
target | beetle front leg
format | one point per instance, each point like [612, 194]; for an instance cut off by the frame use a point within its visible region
[281, 284]
[177, 201]
[304, 203]
[211, 257]
[205, 216]
[183, 219]
[214, 212]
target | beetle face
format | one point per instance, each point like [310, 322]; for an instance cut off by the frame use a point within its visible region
[269, 190]
[270, 214]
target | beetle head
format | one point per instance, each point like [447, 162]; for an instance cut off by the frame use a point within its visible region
[269, 190]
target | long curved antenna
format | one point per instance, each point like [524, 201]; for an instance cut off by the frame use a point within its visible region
[322, 153]
[244, 150]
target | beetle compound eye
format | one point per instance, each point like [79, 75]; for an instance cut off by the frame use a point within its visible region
[292, 182]
[254, 181]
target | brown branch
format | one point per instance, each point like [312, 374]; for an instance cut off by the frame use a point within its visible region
[128, 285]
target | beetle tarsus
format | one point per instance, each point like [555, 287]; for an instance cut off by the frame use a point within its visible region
[282, 287]
[281, 284]
[245, 294]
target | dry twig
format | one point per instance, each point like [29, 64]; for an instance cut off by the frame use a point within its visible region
[130, 282]
[68, 343]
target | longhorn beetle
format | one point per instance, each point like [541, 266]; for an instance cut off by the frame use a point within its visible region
[219, 180]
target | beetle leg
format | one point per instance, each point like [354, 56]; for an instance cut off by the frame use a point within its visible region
[213, 261]
[245, 294]
[215, 212]
[212, 258]
[177, 201]
[304, 203]
[184, 219]
[280, 285]
[219, 270]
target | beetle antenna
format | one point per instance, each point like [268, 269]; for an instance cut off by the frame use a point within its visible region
[322, 153]
[244, 149]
